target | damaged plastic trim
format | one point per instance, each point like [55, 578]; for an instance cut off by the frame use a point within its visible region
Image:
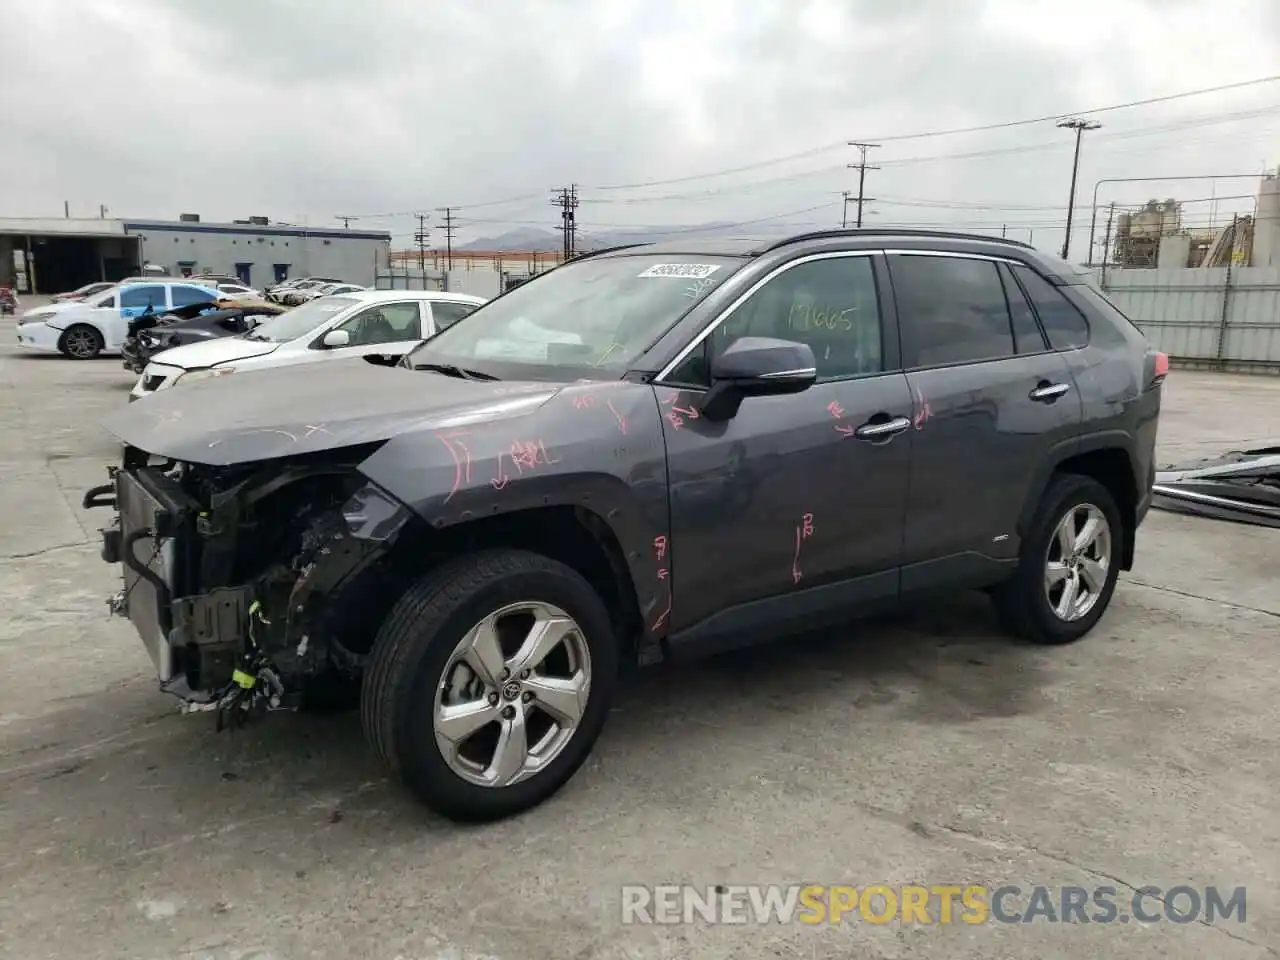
[1243, 487]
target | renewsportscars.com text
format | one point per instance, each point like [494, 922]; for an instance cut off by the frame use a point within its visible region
[934, 904]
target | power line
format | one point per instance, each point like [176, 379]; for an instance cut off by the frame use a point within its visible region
[943, 133]
[862, 168]
[709, 228]
[1142, 131]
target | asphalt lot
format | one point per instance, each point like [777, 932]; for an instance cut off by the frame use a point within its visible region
[929, 750]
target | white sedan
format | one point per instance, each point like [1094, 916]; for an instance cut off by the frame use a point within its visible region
[83, 329]
[366, 322]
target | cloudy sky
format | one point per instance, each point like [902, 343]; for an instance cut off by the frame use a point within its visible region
[379, 108]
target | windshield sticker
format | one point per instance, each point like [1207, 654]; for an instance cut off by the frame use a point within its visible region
[682, 271]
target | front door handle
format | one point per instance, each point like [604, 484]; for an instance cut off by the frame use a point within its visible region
[882, 430]
[1046, 392]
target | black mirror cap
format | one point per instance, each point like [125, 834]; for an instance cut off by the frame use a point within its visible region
[766, 365]
[757, 367]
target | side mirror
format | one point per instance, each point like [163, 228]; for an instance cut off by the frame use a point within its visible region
[757, 367]
[336, 338]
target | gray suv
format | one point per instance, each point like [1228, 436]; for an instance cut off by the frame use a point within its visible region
[647, 453]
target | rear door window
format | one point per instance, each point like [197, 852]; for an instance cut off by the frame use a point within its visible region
[446, 313]
[1027, 337]
[1065, 326]
[184, 296]
[951, 309]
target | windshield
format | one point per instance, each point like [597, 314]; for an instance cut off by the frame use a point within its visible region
[301, 320]
[598, 314]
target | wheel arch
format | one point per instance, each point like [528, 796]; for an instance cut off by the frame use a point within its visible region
[572, 534]
[1107, 458]
[92, 325]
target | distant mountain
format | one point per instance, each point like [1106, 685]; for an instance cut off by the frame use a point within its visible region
[532, 238]
[524, 238]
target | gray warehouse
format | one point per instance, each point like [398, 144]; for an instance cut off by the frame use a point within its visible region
[50, 255]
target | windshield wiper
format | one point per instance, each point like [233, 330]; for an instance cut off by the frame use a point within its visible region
[451, 370]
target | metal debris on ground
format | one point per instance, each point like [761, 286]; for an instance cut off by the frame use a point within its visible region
[1242, 486]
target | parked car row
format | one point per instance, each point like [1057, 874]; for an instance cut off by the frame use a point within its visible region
[230, 288]
[381, 325]
[472, 542]
[294, 292]
[99, 323]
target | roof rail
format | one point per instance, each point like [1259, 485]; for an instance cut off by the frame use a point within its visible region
[596, 253]
[890, 232]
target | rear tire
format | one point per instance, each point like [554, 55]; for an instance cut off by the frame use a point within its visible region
[418, 657]
[80, 342]
[1034, 604]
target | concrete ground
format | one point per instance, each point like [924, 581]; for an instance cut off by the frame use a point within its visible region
[929, 750]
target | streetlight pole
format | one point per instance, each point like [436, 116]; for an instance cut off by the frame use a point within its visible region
[1079, 126]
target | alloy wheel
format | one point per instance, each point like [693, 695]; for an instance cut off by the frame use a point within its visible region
[512, 694]
[1077, 562]
[81, 344]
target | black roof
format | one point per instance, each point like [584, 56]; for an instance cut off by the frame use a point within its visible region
[754, 246]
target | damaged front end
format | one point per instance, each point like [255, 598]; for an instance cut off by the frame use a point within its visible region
[249, 584]
[1242, 486]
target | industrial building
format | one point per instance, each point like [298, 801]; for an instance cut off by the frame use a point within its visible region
[1155, 235]
[51, 255]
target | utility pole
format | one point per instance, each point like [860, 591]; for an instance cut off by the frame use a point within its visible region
[566, 199]
[1004, 230]
[1106, 244]
[844, 210]
[448, 235]
[420, 238]
[346, 221]
[862, 168]
[1079, 126]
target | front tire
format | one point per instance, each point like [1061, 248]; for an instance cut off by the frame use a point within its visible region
[490, 682]
[81, 342]
[1068, 566]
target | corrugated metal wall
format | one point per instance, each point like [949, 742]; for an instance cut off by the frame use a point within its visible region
[1229, 315]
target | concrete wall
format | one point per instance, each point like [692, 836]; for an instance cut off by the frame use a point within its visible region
[1227, 317]
[350, 255]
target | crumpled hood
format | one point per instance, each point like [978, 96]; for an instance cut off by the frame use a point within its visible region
[224, 350]
[266, 414]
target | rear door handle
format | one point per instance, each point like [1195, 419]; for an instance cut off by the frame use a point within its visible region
[1046, 392]
[882, 430]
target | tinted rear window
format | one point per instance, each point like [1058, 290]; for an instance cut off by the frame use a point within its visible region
[1065, 326]
[952, 309]
[1102, 303]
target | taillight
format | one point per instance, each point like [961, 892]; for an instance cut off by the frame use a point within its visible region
[1161, 367]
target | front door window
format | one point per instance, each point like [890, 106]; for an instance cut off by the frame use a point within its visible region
[384, 323]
